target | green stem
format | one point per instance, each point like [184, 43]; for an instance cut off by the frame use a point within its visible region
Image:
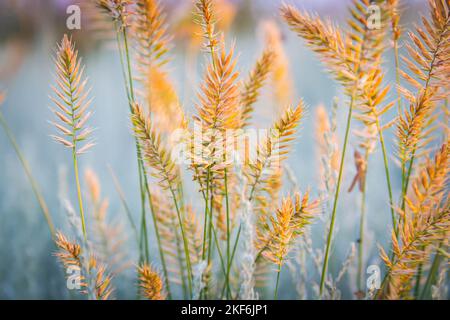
[405, 181]
[431, 279]
[233, 252]
[388, 176]
[275, 295]
[397, 75]
[210, 226]
[77, 181]
[219, 251]
[128, 81]
[205, 222]
[144, 234]
[75, 163]
[144, 182]
[236, 242]
[158, 239]
[34, 185]
[127, 54]
[122, 63]
[185, 243]
[212, 52]
[207, 214]
[222, 263]
[361, 232]
[181, 265]
[418, 280]
[403, 167]
[399, 97]
[228, 234]
[408, 176]
[336, 196]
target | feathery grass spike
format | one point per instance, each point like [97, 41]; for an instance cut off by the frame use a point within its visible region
[153, 151]
[254, 83]
[219, 97]
[153, 44]
[70, 255]
[280, 78]
[425, 222]
[150, 283]
[167, 172]
[71, 99]
[272, 151]
[118, 10]
[278, 233]
[151, 33]
[207, 21]
[72, 103]
[427, 63]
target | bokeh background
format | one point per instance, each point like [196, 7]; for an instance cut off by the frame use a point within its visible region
[29, 31]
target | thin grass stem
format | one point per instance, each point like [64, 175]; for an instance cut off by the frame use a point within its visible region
[275, 295]
[130, 95]
[336, 196]
[143, 182]
[418, 280]
[75, 167]
[388, 176]
[431, 279]
[80, 198]
[185, 243]
[233, 252]
[205, 222]
[361, 230]
[34, 185]
[158, 239]
[228, 233]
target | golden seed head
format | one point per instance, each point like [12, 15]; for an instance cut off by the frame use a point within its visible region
[118, 10]
[150, 283]
[71, 97]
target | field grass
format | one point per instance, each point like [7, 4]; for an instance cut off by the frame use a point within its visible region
[221, 213]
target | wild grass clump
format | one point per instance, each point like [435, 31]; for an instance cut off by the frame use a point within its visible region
[226, 211]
